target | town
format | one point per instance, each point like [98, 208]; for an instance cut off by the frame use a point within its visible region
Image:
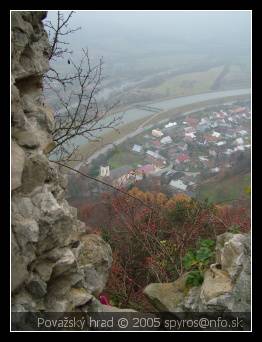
[178, 153]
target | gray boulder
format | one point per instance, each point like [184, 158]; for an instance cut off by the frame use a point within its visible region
[226, 285]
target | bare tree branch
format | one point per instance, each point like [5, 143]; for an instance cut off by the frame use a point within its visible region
[79, 114]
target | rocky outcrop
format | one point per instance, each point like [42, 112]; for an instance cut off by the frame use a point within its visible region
[226, 285]
[56, 265]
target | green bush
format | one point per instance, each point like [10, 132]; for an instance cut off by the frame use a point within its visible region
[197, 261]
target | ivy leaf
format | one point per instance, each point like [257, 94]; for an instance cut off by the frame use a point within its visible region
[207, 243]
[203, 254]
[195, 278]
[189, 260]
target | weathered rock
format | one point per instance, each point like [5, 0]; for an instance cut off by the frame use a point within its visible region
[22, 207]
[30, 45]
[17, 112]
[44, 268]
[52, 268]
[79, 296]
[27, 138]
[36, 286]
[233, 254]
[51, 210]
[18, 264]
[216, 283]
[18, 161]
[168, 296]
[29, 105]
[64, 263]
[95, 259]
[26, 230]
[225, 288]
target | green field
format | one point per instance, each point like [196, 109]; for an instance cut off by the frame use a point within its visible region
[189, 83]
[120, 158]
[225, 189]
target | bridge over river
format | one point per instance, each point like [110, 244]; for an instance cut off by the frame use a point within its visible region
[149, 108]
[146, 110]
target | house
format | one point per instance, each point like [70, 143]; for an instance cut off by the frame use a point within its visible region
[229, 151]
[121, 175]
[190, 129]
[158, 163]
[145, 169]
[238, 110]
[170, 124]
[216, 134]
[182, 158]
[137, 148]
[210, 138]
[224, 113]
[239, 148]
[104, 171]
[178, 184]
[239, 141]
[202, 158]
[220, 114]
[192, 121]
[203, 121]
[221, 143]
[242, 132]
[215, 170]
[190, 135]
[157, 133]
[166, 140]
[155, 155]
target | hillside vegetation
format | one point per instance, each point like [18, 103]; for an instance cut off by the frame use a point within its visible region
[227, 189]
[154, 238]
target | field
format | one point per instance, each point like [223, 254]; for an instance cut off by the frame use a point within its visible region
[225, 189]
[189, 83]
[238, 76]
[170, 61]
[120, 158]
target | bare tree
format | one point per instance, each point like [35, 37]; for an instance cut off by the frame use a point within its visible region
[78, 115]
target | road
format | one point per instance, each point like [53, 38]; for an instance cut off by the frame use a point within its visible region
[166, 105]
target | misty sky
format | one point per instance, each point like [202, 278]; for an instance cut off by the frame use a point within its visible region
[146, 41]
[228, 27]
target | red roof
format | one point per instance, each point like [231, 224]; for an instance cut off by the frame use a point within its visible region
[239, 110]
[210, 138]
[146, 168]
[183, 157]
[192, 121]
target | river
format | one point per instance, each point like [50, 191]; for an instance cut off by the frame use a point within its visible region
[133, 114]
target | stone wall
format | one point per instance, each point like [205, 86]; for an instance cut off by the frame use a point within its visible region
[56, 266]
